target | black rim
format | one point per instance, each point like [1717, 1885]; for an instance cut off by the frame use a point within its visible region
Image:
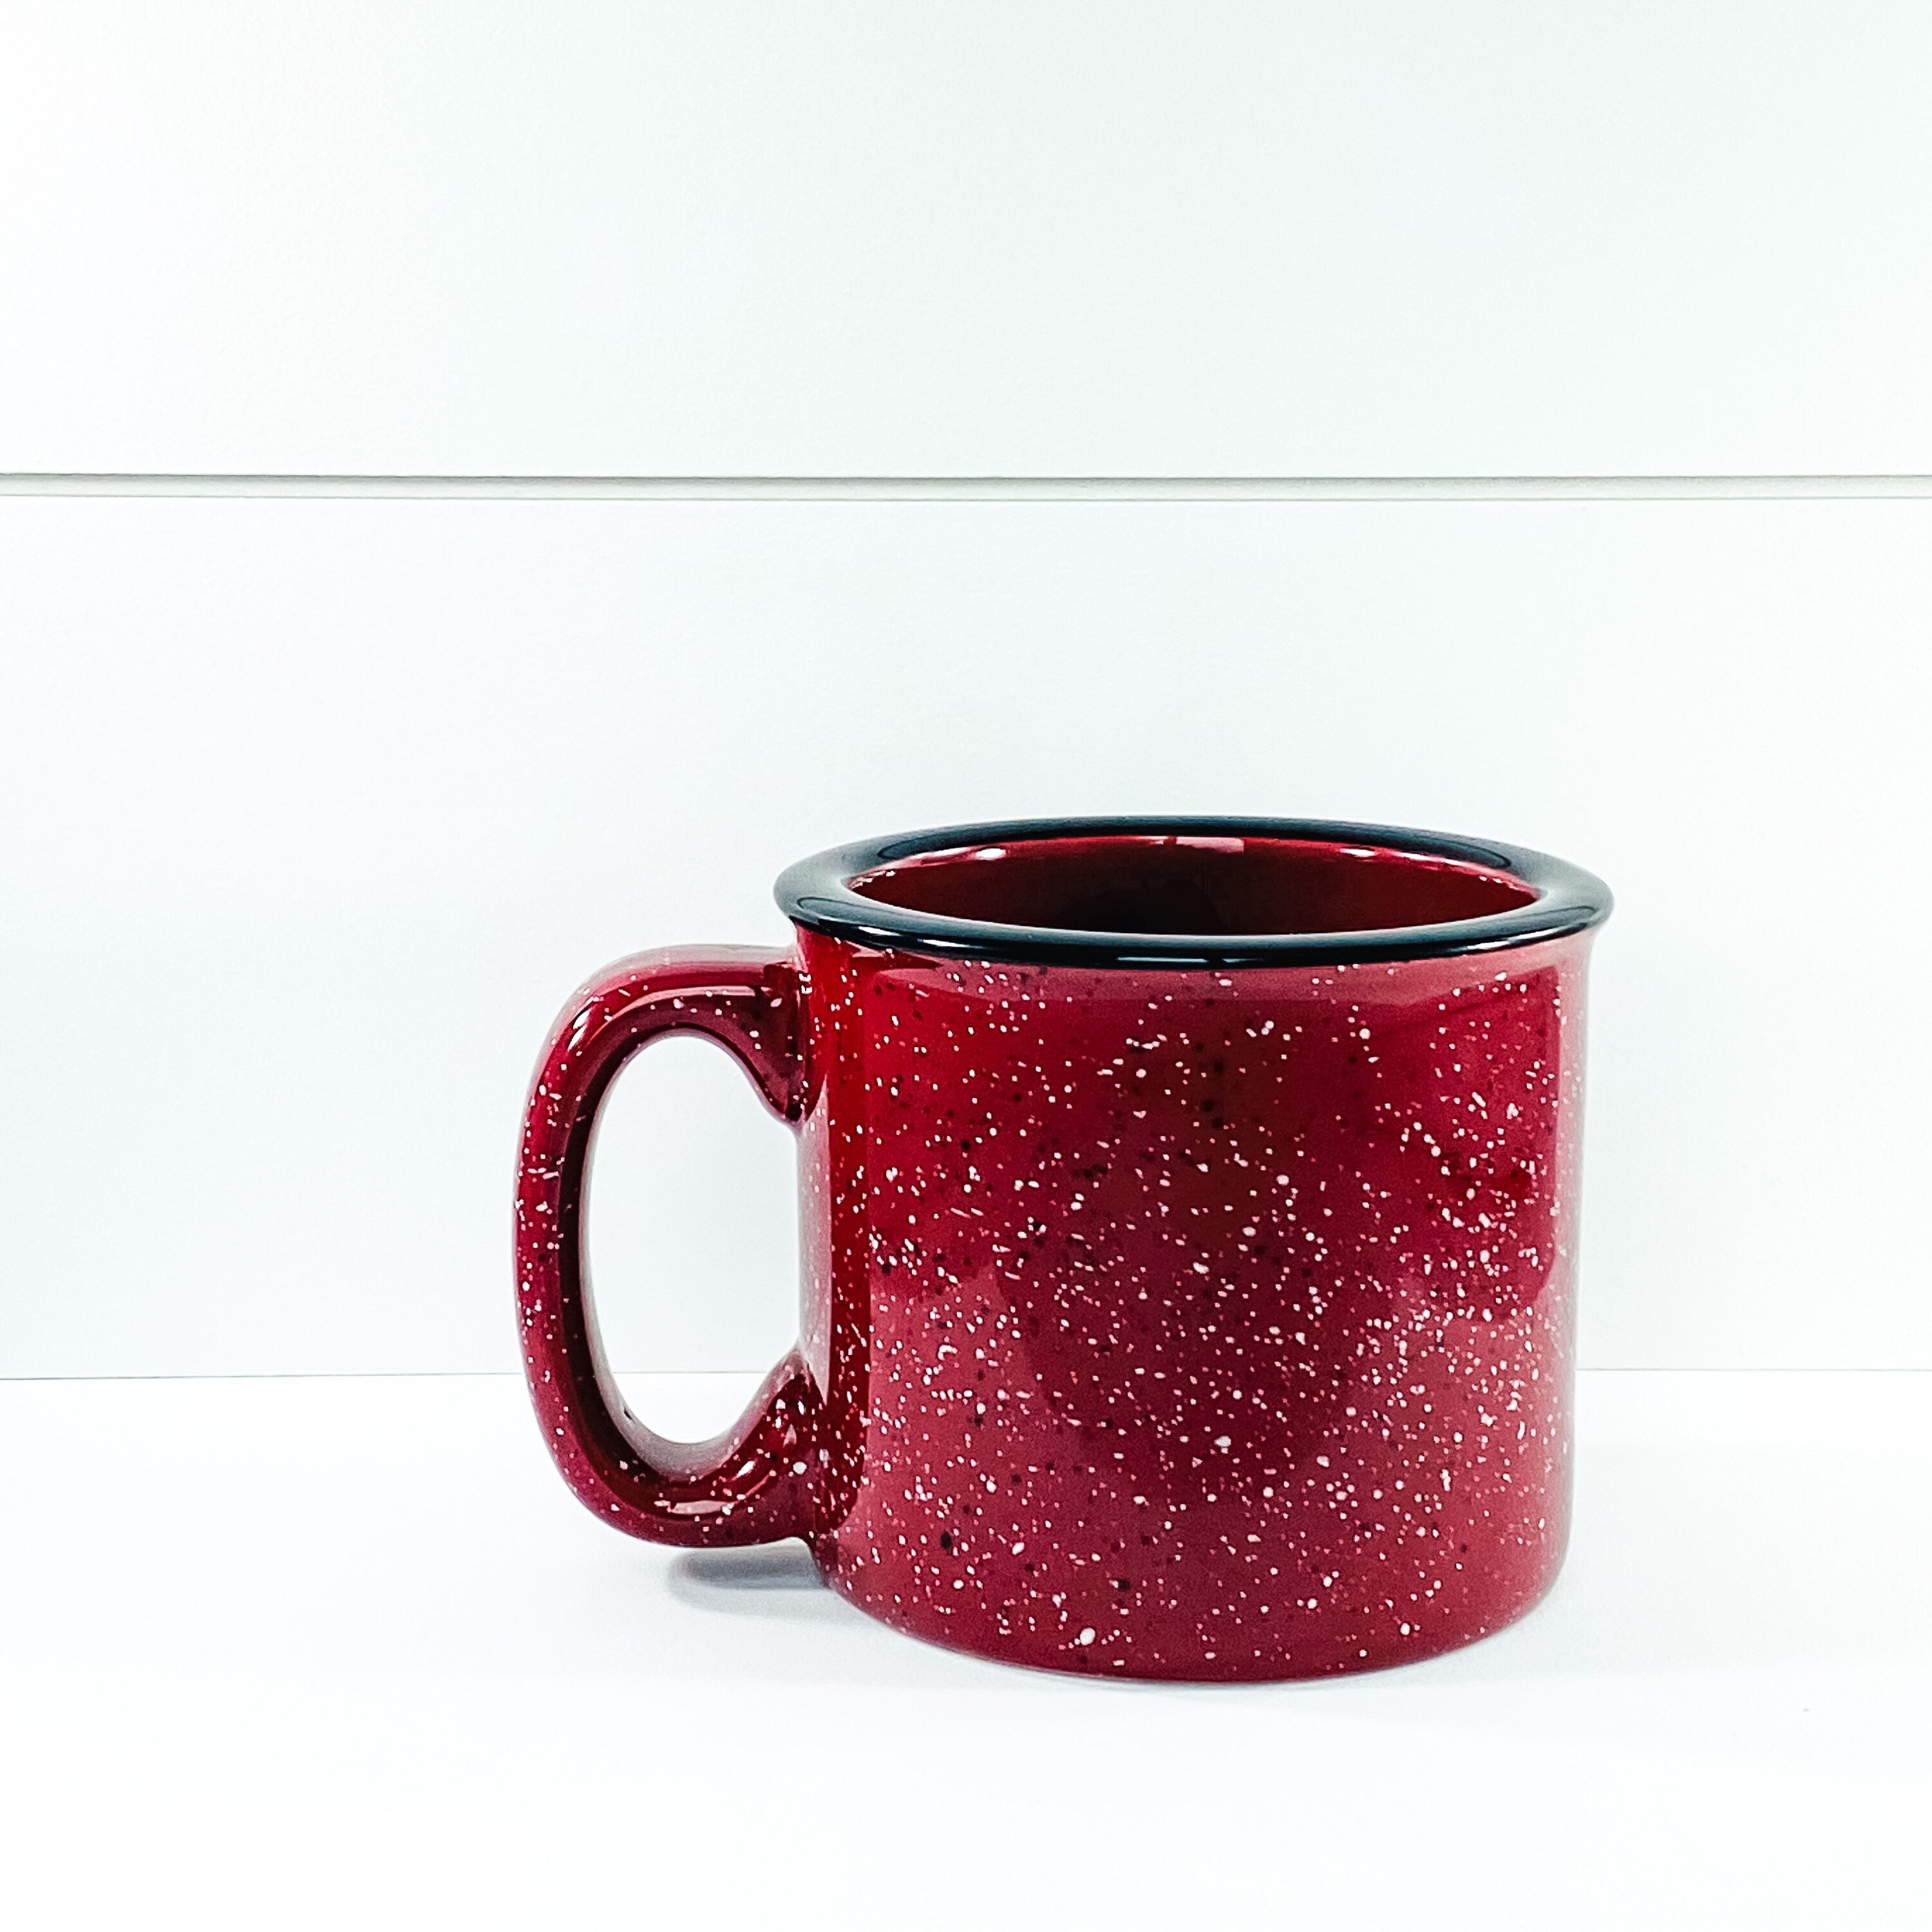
[817, 893]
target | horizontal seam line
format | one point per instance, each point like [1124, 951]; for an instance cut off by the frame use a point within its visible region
[960, 488]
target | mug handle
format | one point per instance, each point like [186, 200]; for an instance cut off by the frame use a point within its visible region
[752, 1484]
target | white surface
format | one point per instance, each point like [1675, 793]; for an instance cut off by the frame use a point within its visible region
[311, 1654]
[315, 813]
[1053, 236]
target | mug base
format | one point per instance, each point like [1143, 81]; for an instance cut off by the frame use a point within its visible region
[1312, 1652]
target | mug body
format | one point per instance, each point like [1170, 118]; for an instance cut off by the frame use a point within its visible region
[1188, 1230]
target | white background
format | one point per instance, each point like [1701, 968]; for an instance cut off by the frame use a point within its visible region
[313, 812]
[1023, 236]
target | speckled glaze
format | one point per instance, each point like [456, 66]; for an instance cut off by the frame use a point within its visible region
[1160, 1319]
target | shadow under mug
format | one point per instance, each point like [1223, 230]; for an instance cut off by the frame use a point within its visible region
[1188, 1217]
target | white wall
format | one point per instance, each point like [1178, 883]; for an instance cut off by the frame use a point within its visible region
[1053, 236]
[311, 814]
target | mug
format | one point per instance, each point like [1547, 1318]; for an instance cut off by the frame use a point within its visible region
[1188, 1237]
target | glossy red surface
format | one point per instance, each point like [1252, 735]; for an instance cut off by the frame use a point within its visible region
[1178, 1323]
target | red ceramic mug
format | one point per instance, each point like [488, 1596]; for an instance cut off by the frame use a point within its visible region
[1189, 1216]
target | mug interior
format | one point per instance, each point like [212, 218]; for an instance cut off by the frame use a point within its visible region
[1211, 886]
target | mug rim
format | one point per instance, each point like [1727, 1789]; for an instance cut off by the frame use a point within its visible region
[817, 894]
